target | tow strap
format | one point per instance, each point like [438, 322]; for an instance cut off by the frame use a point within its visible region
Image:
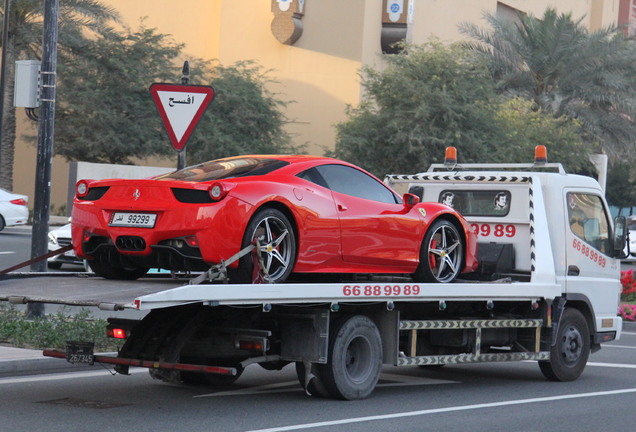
[36, 259]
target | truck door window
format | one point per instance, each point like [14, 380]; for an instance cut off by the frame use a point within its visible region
[588, 220]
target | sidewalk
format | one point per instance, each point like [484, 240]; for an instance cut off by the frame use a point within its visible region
[19, 361]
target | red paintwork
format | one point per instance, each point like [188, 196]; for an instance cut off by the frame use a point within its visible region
[369, 237]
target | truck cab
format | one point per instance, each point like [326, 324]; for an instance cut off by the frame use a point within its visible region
[535, 222]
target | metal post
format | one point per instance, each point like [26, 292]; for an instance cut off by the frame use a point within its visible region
[42, 201]
[3, 72]
[185, 79]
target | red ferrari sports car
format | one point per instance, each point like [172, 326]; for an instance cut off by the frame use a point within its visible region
[306, 215]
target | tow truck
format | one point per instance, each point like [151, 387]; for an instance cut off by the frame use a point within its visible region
[546, 290]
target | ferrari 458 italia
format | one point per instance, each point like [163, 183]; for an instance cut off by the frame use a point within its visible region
[305, 214]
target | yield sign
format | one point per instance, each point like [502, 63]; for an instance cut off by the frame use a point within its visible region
[181, 107]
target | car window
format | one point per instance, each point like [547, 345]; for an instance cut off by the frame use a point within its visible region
[588, 220]
[225, 168]
[350, 181]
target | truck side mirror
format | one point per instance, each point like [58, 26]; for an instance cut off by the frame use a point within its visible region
[410, 199]
[620, 236]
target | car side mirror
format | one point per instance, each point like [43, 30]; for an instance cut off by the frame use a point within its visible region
[620, 236]
[410, 199]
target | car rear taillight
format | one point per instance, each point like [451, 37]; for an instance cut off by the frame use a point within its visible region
[217, 191]
[81, 188]
[19, 201]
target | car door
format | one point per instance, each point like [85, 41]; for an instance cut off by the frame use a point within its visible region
[375, 227]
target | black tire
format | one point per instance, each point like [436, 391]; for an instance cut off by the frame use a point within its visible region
[2, 224]
[355, 359]
[569, 355]
[107, 271]
[277, 248]
[54, 265]
[442, 253]
[315, 387]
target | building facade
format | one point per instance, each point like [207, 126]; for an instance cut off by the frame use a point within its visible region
[314, 49]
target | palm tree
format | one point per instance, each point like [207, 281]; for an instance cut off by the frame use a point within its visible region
[79, 20]
[567, 71]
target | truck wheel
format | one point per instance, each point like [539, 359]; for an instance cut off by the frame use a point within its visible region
[107, 271]
[442, 253]
[355, 358]
[569, 355]
[277, 248]
[315, 387]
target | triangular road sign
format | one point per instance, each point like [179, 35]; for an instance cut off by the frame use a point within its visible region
[180, 108]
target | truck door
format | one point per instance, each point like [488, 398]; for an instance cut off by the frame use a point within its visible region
[590, 269]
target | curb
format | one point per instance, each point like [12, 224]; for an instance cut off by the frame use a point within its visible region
[629, 326]
[33, 366]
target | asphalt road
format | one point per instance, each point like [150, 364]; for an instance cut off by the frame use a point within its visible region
[486, 397]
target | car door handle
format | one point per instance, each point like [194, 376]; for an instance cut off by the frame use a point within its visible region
[342, 208]
[573, 270]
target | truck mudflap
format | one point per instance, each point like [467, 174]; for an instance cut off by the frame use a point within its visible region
[87, 358]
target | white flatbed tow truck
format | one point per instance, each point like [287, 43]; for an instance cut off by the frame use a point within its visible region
[546, 290]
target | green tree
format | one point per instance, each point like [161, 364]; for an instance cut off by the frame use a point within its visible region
[106, 113]
[521, 127]
[621, 186]
[104, 109]
[245, 117]
[428, 97]
[79, 20]
[567, 71]
[431, 97]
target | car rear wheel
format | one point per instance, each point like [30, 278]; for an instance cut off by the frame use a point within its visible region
[355, 358]
[274, 259]
[2, 225]
[107, 271]
[442, 253]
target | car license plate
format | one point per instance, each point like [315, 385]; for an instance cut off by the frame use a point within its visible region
[80, 352]
[139, 220]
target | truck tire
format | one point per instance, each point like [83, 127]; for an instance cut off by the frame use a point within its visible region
[355, 358]
[442, 253]
[278, 247]
[569, 355]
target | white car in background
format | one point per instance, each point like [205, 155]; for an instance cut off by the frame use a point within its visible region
[631, 226]
[14, 209]
[58, 238]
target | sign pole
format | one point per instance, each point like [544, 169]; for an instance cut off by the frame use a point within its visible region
[185, 80]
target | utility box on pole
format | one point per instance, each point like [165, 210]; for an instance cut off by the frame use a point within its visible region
[27, 84]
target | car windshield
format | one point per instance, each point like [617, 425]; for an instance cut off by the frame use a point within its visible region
[225, 168]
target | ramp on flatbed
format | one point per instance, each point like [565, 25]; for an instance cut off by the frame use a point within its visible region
[80, 289]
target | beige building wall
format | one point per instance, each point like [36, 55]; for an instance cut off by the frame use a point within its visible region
[319, 74]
